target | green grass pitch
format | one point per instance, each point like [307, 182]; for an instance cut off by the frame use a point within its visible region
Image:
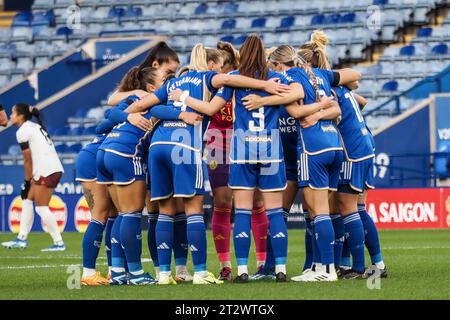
[418, 263]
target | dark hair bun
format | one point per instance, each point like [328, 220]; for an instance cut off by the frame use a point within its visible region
[35, 112]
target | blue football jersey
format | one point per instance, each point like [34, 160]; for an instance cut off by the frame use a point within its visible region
[256, 138]
[95, 143]
[126, 139]
[323, 136]
[352, 127]
[198, 85]
[288, 132]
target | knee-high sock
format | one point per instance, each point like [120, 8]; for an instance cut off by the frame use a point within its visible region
[108, 228]
[242, 238]
[164, 241]
[196, 234]
[339, 233]
[92, 242]
[371, 237]
[118, 262]
[50, 221]
[278, 236]
[308, 242]
[324, 234]
[26, 219]
[259, 226]
[221, 230]
[354, 232]
[131, 240]
[180, 243]
[151, 237]
[346, 261]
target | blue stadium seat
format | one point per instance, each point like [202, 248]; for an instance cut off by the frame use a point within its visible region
[63, 131]
[239, 40]
[348, 18]
[77, 131]
[64, 31]
[75, 148]
[332, 19]
[259, 22]
[229, 24]
[89, 130]
[391, 86]
[61, 148]
[317, 19]
[230, 8]
[51, 131]
[424, 32]
[14, 150]
[380, 2]
[116, 12]
[227, 38]
[22, 19]
[46, 18]
[81, 113]
[133, 12]
[440, 49]
[287, 22]
[408, 51]
[201, 9]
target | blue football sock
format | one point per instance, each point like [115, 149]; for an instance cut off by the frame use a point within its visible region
[339, 235]
[324, 233]
[308, 242]
[314, 245]
[196, 235]
[151, 237]
[279, 236]
[180, 246]
[164, 241]
[354, 233]
[131, 240]
[92, 241]
[371, 235]
[108, 229]
[346, 260]
[117, 254]
[242, 236]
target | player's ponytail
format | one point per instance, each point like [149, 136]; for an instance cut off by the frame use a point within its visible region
[199, 60]
[315, 51]
[137, 78]
[229, 53]
[160, 53]
[253, 62]
[29, 112]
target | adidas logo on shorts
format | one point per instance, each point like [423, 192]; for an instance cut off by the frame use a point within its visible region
[163, 246]
[97, 244]
[193, 248]
[279, 235]
[242, 235]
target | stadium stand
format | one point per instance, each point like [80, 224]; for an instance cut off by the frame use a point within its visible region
[37, 37]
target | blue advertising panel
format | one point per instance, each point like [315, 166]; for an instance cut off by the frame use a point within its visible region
[109, 51]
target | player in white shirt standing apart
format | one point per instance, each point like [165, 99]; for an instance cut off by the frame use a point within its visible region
[43, 170]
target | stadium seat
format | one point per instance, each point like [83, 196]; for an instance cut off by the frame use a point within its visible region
[116, 12]
[46, 18]
[317, 19]
[89, 130]
[424, 32]
[133, 12]
[380, 2]
[201, 9]
[259, 23]
[390, 86]
[227, 38]
[287, 22]
[22, 19]
[230, 8]
[62, 131]
[64, 31]
[408, 50]
[77, 131]
[440, 49]
[239, 40]
[61, 148]
[74, 148]
[332, 19]
[348, 18]
[229, 24]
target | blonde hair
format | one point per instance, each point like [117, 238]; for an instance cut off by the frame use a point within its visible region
[315, 51]
[229, 53]
[200, 56]
[286, 55]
